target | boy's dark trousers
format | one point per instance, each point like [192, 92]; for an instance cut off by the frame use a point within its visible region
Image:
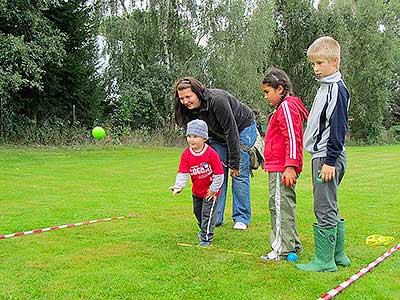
[206, 215]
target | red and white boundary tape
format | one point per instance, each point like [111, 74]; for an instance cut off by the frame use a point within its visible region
[62, 226]
[333, 292]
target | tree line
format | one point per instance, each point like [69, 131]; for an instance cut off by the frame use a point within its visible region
[55, 74]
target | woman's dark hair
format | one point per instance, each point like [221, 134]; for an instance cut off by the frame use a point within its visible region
[181, 111]
[276, 77]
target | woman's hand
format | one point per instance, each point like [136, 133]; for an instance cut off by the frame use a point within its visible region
[234, 172]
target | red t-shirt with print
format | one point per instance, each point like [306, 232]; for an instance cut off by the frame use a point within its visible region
[201, 166]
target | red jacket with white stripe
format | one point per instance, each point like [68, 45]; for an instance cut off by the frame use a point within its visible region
[284, 136]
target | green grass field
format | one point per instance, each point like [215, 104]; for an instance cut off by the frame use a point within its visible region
[138, 258]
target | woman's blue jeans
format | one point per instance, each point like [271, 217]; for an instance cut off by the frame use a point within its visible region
[241, 210]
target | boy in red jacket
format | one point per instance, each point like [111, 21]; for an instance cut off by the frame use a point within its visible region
[283, 153]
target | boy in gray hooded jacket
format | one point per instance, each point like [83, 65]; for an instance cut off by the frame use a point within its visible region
[324, 139]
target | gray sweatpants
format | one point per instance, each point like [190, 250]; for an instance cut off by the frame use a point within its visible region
[284, 237]
[206, 215]
[326, 208]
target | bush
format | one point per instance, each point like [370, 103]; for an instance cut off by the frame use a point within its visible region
[395, 131]
[63, 133]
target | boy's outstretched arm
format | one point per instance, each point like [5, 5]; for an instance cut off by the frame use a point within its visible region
[175, 190]
[180, 183]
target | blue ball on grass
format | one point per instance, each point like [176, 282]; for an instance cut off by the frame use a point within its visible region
[292, 257]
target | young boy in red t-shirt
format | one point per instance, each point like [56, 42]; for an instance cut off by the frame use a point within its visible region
[203, 165]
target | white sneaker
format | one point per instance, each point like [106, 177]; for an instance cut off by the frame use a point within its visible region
[270, 256]
[240, 226]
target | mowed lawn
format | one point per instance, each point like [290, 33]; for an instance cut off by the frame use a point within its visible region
[139, 257]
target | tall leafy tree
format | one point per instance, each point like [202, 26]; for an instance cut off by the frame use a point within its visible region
[367, 65]
[239, 34]
[391, 25]
[28, 42]
[149, 45]
[297, 26]
[76, 83]
[367, 56]
[253, 56]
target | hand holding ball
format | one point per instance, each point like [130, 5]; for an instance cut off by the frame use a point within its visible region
[98, 132]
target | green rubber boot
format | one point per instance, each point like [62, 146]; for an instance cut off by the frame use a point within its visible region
[325, 241]
[341, 258]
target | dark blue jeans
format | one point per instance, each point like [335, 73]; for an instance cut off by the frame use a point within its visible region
[241, 209]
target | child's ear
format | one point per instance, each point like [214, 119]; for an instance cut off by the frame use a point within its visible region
[336, 62]
[280, 89]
